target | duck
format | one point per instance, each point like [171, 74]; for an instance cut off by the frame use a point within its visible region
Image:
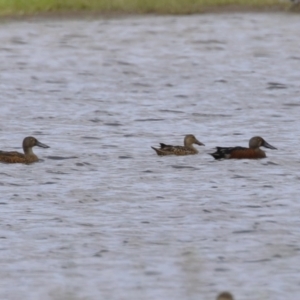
[225, 296]
[253, 152]
[187, 149]
[28, 156]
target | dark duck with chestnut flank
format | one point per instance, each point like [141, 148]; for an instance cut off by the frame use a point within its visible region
[28, 156]
[253, 152]
[187, 149]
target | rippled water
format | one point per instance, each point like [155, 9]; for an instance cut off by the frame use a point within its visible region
[101, 216]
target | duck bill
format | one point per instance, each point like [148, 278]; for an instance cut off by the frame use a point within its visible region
[199, 143]
[41, 145]
[267, 145]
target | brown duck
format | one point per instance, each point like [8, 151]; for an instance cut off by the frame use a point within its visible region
[253, 152]
[225, 296]
[28, 156]
[187, 149]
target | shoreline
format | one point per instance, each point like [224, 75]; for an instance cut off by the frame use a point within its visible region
[209, 9]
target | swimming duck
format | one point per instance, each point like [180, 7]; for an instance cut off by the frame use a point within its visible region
[253, 152]
[225, 296]
[28, 156]
[187, 149]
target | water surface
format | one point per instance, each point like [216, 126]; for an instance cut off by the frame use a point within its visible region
[101, 216]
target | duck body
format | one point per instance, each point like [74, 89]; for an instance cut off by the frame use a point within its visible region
[253, 152]
[17, 157]
[24, 158]
[187, 149]
[225, 296]
[238, 153]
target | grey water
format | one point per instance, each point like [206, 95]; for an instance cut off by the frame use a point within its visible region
[101, 216]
